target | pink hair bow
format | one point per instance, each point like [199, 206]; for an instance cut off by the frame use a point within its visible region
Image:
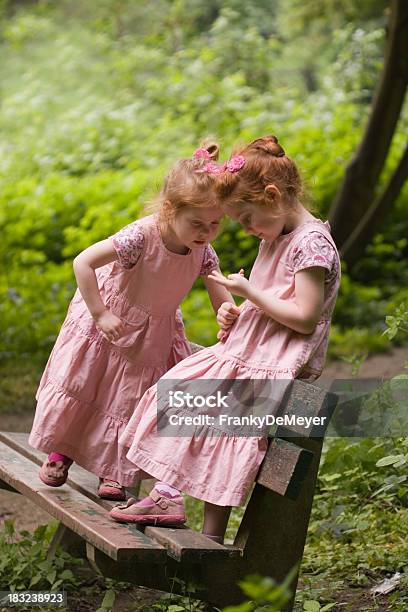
[232, 165]
[201, 153]
[235, 163]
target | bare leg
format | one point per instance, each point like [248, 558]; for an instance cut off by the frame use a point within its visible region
[215, 521]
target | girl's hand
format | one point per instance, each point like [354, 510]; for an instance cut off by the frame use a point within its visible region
[227, 314]
[236, 283]
[222, 335]
[226, 317]
[110, 325]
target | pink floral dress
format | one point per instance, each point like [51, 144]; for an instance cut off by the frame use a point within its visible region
[91, 387]
[221, 468]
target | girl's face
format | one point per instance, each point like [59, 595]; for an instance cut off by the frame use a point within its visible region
[195, 227]
[258, 220]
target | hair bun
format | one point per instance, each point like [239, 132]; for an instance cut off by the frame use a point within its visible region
[268, 144]
[211, 147]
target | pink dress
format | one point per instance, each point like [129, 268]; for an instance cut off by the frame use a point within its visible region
[91, 387]
[221, 468]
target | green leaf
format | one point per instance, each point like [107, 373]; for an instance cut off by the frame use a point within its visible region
[108, 600]
[311, 606]
[330, 477]
[67, 575]
[390, 460]
[56, 584]
[51, 576]
[35, 579]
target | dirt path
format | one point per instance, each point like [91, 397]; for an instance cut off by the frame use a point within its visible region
[382, 365]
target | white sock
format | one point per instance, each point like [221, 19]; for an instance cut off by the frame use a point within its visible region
[166, 489]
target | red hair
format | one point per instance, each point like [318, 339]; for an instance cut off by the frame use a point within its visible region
[184, 186]
[265, 164]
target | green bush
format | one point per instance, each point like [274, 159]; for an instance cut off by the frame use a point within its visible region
[24, 564]
[96, 107]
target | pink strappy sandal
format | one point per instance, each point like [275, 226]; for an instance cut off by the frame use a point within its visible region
[54, 473]
[161, 511]
[110, 489]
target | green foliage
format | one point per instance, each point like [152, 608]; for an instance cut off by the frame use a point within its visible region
[355, 536]
[264, 594]
[314, 606]
[99, 99]
[397, 322]
[180, 603]
[341, 12]
[107, 601]
[18, 385]
[24, 564]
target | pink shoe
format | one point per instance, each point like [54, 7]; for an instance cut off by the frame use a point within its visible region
[110, 489]
[55, 472]
[161, 511]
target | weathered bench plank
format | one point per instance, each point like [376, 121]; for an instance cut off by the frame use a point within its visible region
[181, 543]
[78, 478]
[307, 400]
[188, 545]
[77, 512]
[284, 468]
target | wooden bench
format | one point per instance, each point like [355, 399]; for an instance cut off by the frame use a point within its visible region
[269, 541]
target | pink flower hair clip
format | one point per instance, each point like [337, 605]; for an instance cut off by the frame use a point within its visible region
[235, 163]
[201, 154]
[232, 165]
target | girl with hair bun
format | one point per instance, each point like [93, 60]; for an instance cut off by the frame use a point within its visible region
[124, 328]
[279, 333]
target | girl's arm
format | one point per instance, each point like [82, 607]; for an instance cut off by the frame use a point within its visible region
[218, 294]
[302, 315]
[85, 264]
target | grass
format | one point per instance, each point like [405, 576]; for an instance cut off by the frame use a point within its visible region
[18, 385]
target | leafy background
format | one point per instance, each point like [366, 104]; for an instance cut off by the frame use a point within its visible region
[98, 100]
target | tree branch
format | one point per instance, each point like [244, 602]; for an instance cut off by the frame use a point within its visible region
[357, 190]
[375, 216]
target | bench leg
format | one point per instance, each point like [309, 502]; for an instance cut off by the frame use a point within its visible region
[4, 485]
[146, 574]
[273, 529]
[69, 541]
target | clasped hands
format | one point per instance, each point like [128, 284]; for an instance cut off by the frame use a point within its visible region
[228, 312]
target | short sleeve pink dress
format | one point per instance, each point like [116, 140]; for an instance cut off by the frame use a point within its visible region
[91, 387]
[221, 468]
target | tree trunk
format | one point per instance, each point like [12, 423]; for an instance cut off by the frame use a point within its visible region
[358, 189]
[354, 246]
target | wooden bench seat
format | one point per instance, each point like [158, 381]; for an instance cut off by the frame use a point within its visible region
[78, 478]
[79, 513]
[19, 469]
[269, 541]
